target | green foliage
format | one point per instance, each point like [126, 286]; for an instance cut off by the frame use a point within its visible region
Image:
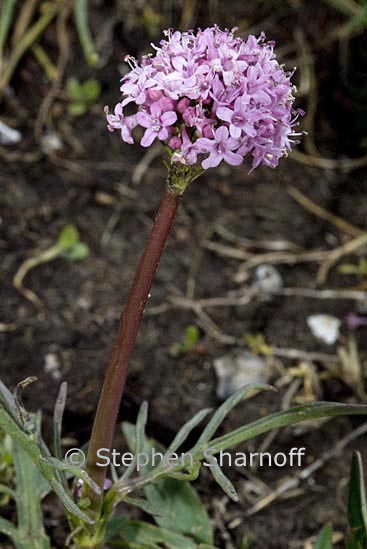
[85, 37]
[181, 519]
[357, 505]
[6, 468]
[25, 431]
[6, 17]
[83, 95]
[324, 539]
[31, 488]
[174, 503]
[189, 341]
[69, 245]
[356, 13]
[148, 536]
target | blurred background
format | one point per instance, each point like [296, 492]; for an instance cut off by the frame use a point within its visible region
[264, 276]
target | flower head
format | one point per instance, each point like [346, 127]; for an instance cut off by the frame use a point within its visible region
[210, 97]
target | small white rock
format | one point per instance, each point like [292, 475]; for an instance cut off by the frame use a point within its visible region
[325, 327]
[51, 142]
[267, 278]
[52, 366]
[9, 136]
[237, 369]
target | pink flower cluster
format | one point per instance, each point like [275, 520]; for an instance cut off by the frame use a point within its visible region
[210, 96]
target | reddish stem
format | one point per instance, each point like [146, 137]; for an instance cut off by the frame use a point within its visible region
[114, 382]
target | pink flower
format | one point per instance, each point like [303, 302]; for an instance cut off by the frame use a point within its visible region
[156, 123]
[220, 148]
[211, 97]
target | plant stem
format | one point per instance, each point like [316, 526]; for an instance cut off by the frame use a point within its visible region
[114, 383]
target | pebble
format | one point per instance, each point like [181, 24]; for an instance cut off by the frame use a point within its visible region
[9, 136]
[234, 370]
[324, 327]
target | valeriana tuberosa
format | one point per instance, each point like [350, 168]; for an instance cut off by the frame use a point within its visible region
[208, 97]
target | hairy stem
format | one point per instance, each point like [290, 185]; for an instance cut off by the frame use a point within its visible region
[114, 383]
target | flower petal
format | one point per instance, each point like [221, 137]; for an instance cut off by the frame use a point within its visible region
[148, 138]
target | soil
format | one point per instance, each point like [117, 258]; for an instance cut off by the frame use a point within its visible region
[89, 185]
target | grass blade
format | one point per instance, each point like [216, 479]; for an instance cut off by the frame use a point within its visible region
[6, 18]
[85, 37]
[324, 539]
[357, 506]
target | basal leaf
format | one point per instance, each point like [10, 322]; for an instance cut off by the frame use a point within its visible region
[179, 509]
[149, 536]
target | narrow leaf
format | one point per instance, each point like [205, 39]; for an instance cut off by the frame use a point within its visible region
[8, 529]
[85, 37]
[186, 430]
[75, 471]
[325, 538]
[68, 503]
[357, 507]
[227, 406]
[294, 415]
[57, 418]
[223, 481]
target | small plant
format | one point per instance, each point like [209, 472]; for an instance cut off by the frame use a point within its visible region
[67, 246]
[189, 341]
[208, 97]
[83, 95]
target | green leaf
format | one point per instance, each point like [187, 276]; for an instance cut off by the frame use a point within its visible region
[324, 539]
[114, 527]
[149, 536]
[85, 37]
[79, 251]
[357, 506]
[6, 18]
[191, 338]
[8, 529]
[68, 238]
[31, 488]
[75, 90]
[179, 509]
[175, 503]
[141, 504]
[186, 429]
[222, 412]
[294, 415]
[91, 91]
[77, 109]
[223, 482]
